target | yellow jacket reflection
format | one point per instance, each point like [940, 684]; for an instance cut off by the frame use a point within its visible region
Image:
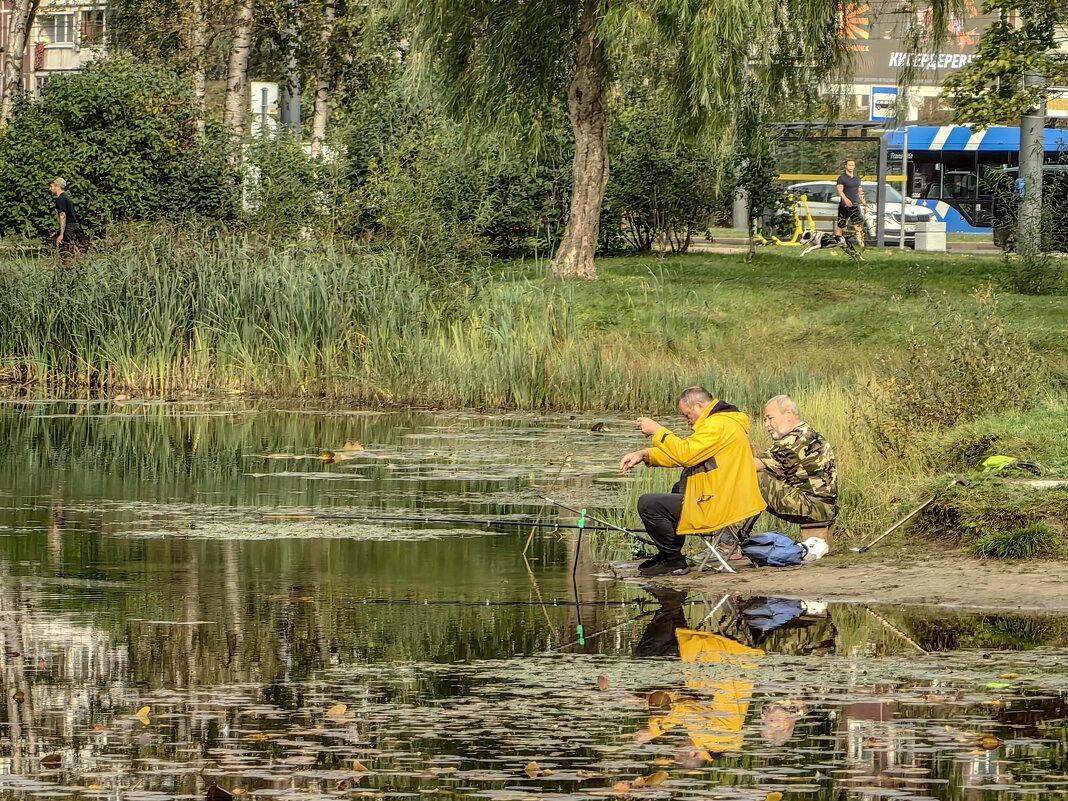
[714, 725]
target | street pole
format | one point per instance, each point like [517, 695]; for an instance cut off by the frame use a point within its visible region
[904, 184]
[1032, 156]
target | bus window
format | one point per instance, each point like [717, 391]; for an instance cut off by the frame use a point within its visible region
[960, 184]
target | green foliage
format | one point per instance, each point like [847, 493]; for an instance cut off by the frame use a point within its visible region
[1034, 540]
[661, 186]
[990, 90]
[121, 133]
[283, 193]
[417, 178]
[971, 363]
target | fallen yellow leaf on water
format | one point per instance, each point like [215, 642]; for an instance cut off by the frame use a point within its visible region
[602, 683]
[239, 791]
[1009, 676]
[652, 780]
[531, 769]
[989, 742]
[358, 766]
[773, 796]
[19, 696]
[142, 715]
[337, 710]
[621, 787]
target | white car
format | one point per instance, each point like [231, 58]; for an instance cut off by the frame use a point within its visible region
[822, 198]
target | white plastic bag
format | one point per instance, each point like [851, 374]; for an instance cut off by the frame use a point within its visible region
[817, 549]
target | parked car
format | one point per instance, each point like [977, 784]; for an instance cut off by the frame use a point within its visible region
[822, 198]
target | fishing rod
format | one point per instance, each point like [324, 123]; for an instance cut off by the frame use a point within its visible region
[472, 521]
[605, 525]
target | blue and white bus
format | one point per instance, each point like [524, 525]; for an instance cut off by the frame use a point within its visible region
[948, 166]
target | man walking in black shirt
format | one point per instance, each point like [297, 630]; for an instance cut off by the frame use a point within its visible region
[850, 202]
[70, 230]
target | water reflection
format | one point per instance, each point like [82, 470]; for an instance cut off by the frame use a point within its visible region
[307, 660]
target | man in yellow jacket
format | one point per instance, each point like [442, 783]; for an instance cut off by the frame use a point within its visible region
[718, 487]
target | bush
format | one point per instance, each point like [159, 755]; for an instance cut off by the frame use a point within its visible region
[660, 186]
[123, 134]
[970, 364]
[419, 180]
[1034, 540]
[282, 191]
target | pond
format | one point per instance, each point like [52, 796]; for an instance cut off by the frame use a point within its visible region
[195, 604]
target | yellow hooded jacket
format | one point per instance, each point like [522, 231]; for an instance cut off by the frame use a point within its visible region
[720, 479]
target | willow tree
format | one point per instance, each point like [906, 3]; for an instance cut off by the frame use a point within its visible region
[508, 60]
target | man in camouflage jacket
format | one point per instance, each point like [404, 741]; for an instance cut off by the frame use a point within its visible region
[798, 476]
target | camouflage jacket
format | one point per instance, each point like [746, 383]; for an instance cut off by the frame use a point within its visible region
[805, 460]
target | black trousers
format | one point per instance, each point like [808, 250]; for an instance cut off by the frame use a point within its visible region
[660, 512]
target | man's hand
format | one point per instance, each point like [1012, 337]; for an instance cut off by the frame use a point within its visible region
[759, 465]
[648, 425]
[631, 459]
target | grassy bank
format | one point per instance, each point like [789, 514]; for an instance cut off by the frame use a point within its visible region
[167, 314]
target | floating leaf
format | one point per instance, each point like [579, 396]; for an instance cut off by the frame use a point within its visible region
[597, 427]
[621, 787]
[142, 715]
[659, 699]
[662, 761]
[239, 791]
[1009, 676]
[19, 696]
[652, 780]
[602, 683]
[341, 784]
[589, 774]
[337, 710]
[352, 445]
[773, 796]
[989, 742]
[531, 769]
[358, 766]
[95, 787]
[51, 761]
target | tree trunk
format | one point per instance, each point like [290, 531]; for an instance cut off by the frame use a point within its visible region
[198, 43]
[322, 85]
[236, 108]
[20, 22]
[589, 171]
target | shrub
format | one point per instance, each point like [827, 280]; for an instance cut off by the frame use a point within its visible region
[970, 364]
[123, 134]
[1033, 540]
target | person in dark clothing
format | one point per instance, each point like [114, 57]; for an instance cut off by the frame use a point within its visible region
[851, 203]
[69, 232]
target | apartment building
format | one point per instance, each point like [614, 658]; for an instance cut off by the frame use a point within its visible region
[66, 35]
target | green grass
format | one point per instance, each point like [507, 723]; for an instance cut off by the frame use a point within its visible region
[1033, 539]
[179, 313]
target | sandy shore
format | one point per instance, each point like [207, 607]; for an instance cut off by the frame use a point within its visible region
[899, 577]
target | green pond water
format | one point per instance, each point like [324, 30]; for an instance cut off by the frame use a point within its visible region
[188, 610]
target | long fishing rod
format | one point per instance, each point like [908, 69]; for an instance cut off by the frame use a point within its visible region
[605, 525]
[472, 521]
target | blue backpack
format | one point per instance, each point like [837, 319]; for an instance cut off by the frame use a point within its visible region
[772, 549]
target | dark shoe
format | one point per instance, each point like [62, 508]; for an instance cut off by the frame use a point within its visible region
[650, 562]
[668, 565]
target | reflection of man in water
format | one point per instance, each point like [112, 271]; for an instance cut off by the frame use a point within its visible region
[713, 706]
[777, 719]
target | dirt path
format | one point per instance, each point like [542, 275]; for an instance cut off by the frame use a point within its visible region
[899, 578]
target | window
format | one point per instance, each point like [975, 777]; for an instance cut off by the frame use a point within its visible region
[92, 28]
[58, 28]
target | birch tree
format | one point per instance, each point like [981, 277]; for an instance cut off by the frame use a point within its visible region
[22, 16]
[235, 110]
